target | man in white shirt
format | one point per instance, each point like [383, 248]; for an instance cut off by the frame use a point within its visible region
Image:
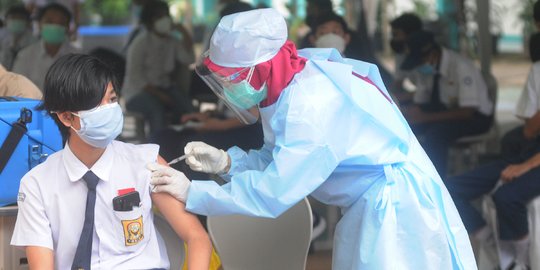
[19, 35]
[153, 59]
[34, 60]
[402, 27]
[451, 99]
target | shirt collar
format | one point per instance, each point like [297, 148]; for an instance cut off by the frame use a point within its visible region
[76, 169]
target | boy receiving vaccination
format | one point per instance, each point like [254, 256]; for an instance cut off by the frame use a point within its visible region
[90, 204]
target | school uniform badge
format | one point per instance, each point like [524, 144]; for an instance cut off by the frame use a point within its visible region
[133, 231]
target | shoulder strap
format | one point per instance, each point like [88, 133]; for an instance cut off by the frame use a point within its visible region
[18, 129]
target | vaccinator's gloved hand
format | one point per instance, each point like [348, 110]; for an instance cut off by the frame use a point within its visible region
[202, 157]
[168, 180]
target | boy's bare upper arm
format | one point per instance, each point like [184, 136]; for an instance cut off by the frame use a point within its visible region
[40, 258]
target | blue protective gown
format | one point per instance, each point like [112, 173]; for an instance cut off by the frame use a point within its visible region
[340, 139]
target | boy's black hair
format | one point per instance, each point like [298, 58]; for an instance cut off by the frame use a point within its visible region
[330, 17]
[151, 9]
[18, 10]
[408, 22]
[75, 82]
[534, 47]
[54, 6]
[536, 11]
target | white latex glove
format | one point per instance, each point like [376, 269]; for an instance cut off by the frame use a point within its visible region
[168, 180]
[202, 157]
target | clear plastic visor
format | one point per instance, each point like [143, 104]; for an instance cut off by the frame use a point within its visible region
[219, 79]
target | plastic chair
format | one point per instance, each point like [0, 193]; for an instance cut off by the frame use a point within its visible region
[473, 146]
[173, 243]
[245, 243]
[488, 255]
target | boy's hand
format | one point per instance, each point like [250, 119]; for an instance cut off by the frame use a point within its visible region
[168, 180]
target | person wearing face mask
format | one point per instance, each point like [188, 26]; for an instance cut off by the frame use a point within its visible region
[34, 60]
[19, 35]
[451, 98]
[70, 215]
[401, 28]
[330, 131]
[153, 60]
[331, 31]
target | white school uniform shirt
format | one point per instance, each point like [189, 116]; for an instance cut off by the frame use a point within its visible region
[529, 100]
[152, 60]
[52, 201]
[34, 62]
[9, 48]
[461, 84]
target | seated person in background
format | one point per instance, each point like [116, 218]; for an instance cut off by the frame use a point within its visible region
[402, 27]
[16, 85]
[519, 169]
[19, 35]
[525, 135]
[151, 61]
[331, 31]
[57, 223]
[451, 99]
[219, 128]
[34, 60]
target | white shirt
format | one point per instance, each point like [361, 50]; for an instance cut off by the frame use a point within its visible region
[34, 62]
[529, 101]
[461, 84]
[151, 60]
[52, 199]
[9, 48]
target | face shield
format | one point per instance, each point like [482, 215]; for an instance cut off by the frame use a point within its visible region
[235, 87]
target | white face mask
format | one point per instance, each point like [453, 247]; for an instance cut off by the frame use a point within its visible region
[101, 125]
[163, 25]
[331, 40]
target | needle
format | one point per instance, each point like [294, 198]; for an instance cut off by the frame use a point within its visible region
[178, 159]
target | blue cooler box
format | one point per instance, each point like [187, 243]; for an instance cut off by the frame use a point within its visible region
[40, 139]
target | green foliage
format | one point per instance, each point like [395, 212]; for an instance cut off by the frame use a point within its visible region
[421, 8]
[526, 15]
[111, 11]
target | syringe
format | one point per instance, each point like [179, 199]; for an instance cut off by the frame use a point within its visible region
[178, 159]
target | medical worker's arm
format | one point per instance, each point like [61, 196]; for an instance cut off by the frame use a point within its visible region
[187, 226]
[40, 258]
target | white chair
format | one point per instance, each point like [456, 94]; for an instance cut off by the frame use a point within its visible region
[173, 243]
[249, 243]
[488, 255]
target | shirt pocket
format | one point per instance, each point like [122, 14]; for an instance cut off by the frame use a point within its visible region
[129, 228]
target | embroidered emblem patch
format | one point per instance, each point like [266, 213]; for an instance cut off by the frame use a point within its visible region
[467, 80]
[133, 231]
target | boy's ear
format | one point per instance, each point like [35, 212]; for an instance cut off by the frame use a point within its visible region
[66, 118]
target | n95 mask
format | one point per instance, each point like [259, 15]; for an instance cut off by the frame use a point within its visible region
[101, 125]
